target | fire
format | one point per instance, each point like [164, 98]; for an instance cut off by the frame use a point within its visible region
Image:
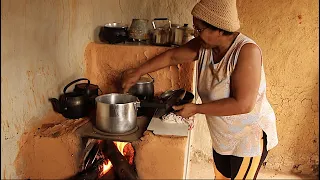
[126, 151]
[106, 167]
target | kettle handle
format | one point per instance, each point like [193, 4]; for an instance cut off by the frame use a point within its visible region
[77, 80]
[160, 19]
[150, 77]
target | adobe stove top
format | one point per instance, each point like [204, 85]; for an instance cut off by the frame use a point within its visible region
[88, 130]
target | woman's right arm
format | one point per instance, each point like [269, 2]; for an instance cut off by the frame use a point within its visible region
[180, 55]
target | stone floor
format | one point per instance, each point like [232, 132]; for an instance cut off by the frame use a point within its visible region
[204, 170]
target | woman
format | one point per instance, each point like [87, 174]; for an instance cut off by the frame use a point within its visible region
[231, 84]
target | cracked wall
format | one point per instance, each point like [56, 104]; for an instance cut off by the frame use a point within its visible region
[287, 32]
[43, 49]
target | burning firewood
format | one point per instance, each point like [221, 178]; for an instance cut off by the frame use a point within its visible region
[121, 166]
[91, 172]
[107, 160]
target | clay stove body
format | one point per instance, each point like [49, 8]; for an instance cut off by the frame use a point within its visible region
[102, 69]
[123, 166]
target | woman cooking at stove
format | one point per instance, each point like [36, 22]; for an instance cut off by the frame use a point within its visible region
[232, 86]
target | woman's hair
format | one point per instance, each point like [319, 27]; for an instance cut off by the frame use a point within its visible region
[215, 28]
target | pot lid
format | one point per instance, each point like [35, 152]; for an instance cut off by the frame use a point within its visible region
[90, 87]
[144, 80]
[116, 25]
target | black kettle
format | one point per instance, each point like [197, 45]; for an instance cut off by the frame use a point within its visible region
[91, 90]
[72, 105]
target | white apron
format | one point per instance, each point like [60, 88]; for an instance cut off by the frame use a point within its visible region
[237, 135]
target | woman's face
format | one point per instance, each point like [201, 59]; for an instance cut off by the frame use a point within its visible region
[209, 38]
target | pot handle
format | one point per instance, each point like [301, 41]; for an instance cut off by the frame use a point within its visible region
[77, 80]
[100, 91]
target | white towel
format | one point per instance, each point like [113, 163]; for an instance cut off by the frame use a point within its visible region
[173, 118]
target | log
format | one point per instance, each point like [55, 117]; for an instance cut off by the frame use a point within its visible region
[122, 168]
[90, 173]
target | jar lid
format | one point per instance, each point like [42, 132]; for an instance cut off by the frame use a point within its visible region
[145, 80]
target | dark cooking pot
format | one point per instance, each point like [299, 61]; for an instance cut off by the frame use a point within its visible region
[91, 90]
[72, 105]
[114, 33]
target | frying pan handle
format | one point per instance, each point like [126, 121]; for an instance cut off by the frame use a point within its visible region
[151, 104]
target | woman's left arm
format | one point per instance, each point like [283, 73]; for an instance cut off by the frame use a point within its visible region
[245, 82]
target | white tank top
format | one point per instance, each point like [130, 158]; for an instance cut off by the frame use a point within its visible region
[237, 135]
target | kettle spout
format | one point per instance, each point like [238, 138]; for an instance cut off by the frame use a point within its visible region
[56, 105]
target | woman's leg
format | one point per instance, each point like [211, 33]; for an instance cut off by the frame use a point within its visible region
[250, 166]
[221, 166]
[226, 166]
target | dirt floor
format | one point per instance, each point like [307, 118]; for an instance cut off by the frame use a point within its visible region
[204, 170]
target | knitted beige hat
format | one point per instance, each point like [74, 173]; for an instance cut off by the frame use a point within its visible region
[222, 14]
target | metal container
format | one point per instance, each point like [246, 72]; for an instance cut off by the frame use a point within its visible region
[180, 35]
[188, 34]
[139, 29]
[160, 34]
[177, 34]
[144, 88]
[116, 113]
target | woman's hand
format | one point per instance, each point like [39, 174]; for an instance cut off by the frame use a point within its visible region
[129, 78]
[186, 110]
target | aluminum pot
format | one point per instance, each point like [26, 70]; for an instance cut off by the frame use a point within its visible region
[117, 113]
[144, 88]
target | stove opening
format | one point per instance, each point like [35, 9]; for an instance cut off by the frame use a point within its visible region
[106, 159]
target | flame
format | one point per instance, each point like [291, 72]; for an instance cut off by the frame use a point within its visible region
[107, 165]
[120, 146]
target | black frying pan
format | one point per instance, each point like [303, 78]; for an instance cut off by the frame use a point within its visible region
[172, 100]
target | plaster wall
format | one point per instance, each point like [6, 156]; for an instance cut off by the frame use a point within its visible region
[288, 34]
[43, 43]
